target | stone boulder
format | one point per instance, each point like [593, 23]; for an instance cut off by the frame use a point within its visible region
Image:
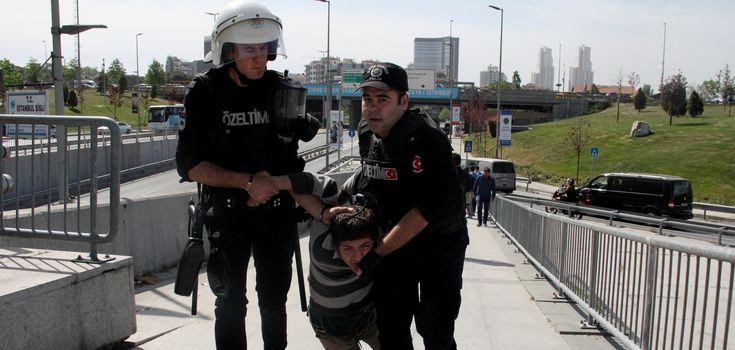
[640, 128]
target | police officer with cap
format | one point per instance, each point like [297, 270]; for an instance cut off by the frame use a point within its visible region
[409, 177]
[239, 130]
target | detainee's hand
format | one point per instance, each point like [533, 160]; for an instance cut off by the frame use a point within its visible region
[331, 213]
[262, 190]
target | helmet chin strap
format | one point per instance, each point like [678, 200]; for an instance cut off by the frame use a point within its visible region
[244, 80]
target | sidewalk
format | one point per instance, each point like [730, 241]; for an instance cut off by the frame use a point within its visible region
[499, 309]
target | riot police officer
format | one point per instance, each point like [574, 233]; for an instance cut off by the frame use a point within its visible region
[408, 174]
[230, 143]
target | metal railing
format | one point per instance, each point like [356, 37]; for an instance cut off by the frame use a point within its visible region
[648, 291]
[62, 174]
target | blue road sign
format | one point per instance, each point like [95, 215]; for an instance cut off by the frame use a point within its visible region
[594, 152]
[352, 133]
[468, 146]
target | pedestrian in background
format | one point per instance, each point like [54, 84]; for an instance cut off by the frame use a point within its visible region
[484, 191]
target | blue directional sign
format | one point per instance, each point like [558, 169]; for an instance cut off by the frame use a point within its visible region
[352, 133]
[594, 152]
[468, 146]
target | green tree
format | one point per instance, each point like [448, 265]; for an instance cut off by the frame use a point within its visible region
[673, 96]
[34, 72]
[154, 91]
[101, 82]
[31, 70]
[647, 89]
[594, 89]
[156, 74]
[66, 94]
[90, 73]
[475, 115]
[11, 72]
[633, 80]
[695, 107]
[726, 85]
[577, 139]
[516, 80]
[122, 84]
[503, 85]
[708, 90]
[72, 100]
[180, 76]
[69, 72]
[115, 71]
[113, 93]
[639, 101]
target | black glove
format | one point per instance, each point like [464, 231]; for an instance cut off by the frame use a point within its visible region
[369, 263]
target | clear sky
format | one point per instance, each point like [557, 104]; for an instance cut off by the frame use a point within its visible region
[624, 35]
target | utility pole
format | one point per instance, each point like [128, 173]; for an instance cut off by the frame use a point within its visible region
[663, 62]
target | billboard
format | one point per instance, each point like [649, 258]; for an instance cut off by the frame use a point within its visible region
[421, 79]
[505, 126]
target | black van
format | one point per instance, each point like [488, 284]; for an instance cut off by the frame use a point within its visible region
[645, 193]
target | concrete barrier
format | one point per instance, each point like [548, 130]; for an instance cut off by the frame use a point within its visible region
[50, 301]
[152, 231]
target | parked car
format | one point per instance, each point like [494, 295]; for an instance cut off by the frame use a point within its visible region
[84, 84]
[644, 193]
[503, 171]
[125, 128]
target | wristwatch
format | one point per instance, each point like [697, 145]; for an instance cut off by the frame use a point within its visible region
[249, 184]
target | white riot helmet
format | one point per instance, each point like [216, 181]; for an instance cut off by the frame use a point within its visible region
[245, 22]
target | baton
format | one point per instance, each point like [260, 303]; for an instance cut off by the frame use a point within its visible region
[300, 272]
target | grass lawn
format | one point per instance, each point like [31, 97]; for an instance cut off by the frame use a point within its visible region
[98, 105]
[700, 149]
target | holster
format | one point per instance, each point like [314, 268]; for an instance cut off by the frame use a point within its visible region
[193, 255]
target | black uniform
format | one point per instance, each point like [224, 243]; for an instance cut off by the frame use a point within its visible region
[231, 126]
[413, 168]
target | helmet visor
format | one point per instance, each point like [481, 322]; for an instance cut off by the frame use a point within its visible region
[240, 51]
[252, 31]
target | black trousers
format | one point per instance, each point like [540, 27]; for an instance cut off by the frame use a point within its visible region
[422, 280]
[269, 237]
[483, 209]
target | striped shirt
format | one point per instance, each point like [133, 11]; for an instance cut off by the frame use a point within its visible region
[334, 288]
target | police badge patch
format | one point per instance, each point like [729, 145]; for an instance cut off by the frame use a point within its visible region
[417, 165]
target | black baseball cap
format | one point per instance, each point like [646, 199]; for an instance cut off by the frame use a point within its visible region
[385, 76]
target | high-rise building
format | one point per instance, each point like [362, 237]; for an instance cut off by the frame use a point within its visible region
[438, 54]
[544, 78]
[314, 71]
[490, 76]
[582, 74]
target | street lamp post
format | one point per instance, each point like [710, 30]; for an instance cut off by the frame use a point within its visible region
[57, 70]
[663, 61]
[450, 71]
[338, 80]
[328, 81]
[137, 77]
[213, 14]
[500, 74]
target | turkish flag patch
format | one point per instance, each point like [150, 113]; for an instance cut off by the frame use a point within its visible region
[418, 165]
